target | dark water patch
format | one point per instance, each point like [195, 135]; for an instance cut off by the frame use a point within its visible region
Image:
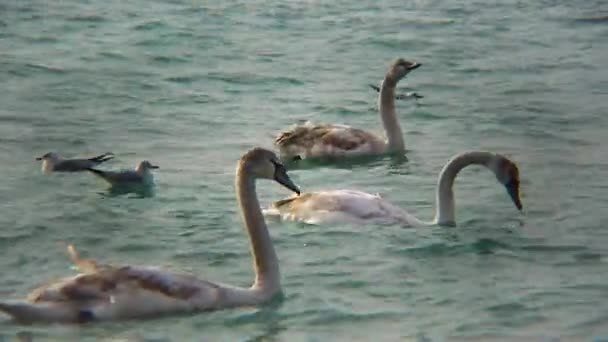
[11, 239]
[87, 18]
[211, 258]
[168, 59]
[135, 247]
[424, 115]
[335, 316]
[186, 214]
[149, 25]
[553, 248]
[115, 55]
[184, 79]
[488, 246]
[591, 19]
[42, 40]
[588, 287]
[350, 284]
[46, 68]
[253, 79]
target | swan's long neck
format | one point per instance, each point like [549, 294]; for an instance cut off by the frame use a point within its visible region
[266, 263]
[445, 214]
[386, 104]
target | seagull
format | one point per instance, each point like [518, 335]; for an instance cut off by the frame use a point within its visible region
[404, 96]
[141, 175]
[53, 162]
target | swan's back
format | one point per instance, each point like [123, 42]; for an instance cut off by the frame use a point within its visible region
[317, 141]
[336, 206]
[110, 293]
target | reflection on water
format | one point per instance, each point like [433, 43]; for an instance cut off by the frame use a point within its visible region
[140, 191]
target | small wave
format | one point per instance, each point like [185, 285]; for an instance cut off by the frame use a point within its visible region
[46, 68]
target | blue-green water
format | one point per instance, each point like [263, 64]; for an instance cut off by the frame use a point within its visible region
[191, 86]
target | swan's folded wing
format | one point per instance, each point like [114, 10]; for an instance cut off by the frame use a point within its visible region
[309, 140]
[340, 206]
[122, 282]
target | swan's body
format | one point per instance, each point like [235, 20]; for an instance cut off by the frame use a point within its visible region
[106, 292]
[336, 141]
[53, 162]
[360, 207]
[141, 175]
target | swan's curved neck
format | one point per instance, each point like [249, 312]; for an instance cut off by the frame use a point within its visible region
[386, 104]
[445, 214]
[266, 263]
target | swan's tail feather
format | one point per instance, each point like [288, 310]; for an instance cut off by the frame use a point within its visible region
[25, 312]
[102, 157]
[84, 265]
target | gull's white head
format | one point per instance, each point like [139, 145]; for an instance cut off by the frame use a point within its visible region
[48, 161]
[262, 163]
[145, 166]
[50, 156]
[507, 174]
[401, 67]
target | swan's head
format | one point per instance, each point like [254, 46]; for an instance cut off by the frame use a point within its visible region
[507, 173]
[145, 166]
[262, 163]
[401, 67]
[51, 156]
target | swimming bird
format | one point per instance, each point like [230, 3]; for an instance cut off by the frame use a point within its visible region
[402, 96]
[103, 292]
[359, 207]
[141, 175]
[310, 140]
[53, 162]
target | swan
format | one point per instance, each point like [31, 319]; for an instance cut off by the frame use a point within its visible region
[141, 175]
[310, 140]
[53, 162]
[103, 292]
[359, 207]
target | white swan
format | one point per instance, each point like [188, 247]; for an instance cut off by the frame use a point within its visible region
[360, 207]
[141, 175]
[106, 292]
[310, 140]
[53, 162]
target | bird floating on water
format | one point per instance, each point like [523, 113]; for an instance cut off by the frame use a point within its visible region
[141, 175]
[53, 162]
[103, 292]
[402, 96]
[351, 206]
[310, 140]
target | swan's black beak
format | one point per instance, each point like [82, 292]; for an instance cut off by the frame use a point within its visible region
[513, 190]
[414, 66]
[280, 175]
[154, 166]
[38, 158]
